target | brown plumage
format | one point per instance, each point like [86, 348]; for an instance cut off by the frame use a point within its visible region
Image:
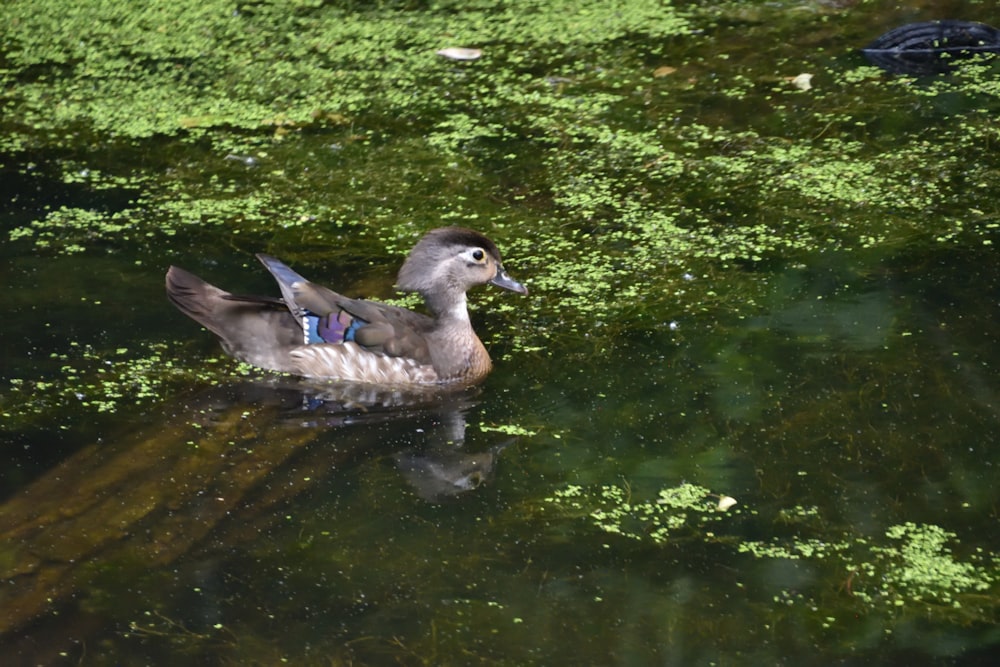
[316, 332]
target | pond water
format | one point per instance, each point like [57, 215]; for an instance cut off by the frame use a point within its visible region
[739, 289]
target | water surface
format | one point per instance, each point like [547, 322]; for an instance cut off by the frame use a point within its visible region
[738, 288]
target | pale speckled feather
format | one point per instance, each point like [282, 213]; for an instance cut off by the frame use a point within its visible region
[351, 362]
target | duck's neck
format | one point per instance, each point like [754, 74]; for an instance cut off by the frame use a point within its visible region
[456, 351]
[449, 309]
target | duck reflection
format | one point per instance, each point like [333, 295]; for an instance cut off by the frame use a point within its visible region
[429, 424]
[443, 468]
[216, 471]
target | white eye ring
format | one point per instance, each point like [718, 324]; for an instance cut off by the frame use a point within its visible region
[476, 255]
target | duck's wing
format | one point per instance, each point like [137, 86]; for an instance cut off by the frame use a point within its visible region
[329, 317]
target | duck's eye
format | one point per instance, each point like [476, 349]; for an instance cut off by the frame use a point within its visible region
[478, 255]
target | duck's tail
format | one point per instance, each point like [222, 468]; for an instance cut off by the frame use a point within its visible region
[258, 330]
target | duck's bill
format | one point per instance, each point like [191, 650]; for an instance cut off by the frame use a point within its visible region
[501, 279]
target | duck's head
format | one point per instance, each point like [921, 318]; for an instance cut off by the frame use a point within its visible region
[449, 261]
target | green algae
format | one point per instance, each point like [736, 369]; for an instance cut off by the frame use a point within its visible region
[910, 565]
[921, 567]
[176, 65]
[612, 510]
[507, 429]
[540, 105]
[102, 381]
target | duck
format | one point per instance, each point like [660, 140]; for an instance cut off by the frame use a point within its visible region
[314, 332]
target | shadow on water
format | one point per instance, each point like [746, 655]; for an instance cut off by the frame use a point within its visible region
[209, 480]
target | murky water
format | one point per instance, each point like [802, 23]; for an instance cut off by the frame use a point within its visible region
[846, 397]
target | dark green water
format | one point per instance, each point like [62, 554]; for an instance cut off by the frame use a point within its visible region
[822, 349]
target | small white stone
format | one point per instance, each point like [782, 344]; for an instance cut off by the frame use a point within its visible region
[460, 53]
[802, 81]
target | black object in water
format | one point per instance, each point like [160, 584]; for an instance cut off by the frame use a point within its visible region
[931, 47]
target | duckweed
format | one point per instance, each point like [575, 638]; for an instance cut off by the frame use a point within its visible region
[912, 565]
[611, 509]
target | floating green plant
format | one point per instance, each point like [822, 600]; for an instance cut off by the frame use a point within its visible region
[102, 381]
[914, 564]
[611, 509]
[919, 566]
